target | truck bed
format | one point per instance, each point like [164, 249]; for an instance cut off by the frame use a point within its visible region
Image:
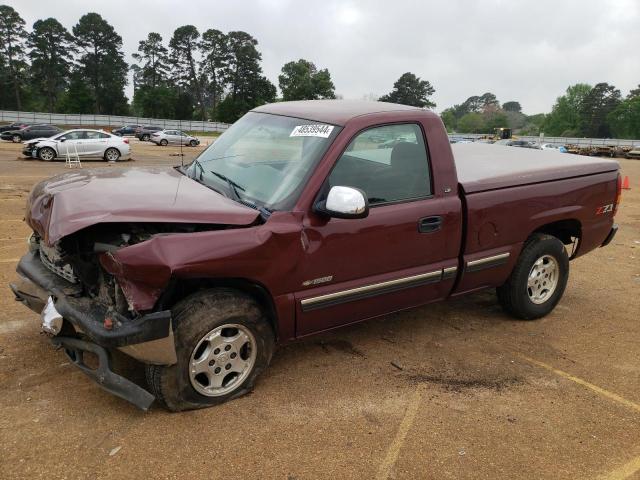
[482, 167]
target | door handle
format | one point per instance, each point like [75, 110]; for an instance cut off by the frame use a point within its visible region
[429, 224]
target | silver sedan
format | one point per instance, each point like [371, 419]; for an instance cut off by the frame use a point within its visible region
[174, 137]
[83, 142]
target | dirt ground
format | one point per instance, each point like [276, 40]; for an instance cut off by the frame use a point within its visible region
[473, 393]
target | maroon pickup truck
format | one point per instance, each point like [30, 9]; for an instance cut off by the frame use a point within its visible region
[302, 217]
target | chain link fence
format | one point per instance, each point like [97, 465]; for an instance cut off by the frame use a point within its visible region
[111, 121]
[585, 142]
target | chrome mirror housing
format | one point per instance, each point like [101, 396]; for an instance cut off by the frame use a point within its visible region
[345, 202]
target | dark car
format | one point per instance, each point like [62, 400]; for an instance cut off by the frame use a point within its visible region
[27, 133]
[13, 126]
[199, 271]
[144, 133]
[126, 130]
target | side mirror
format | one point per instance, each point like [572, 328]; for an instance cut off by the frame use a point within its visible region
[62, 139]
[344, 202]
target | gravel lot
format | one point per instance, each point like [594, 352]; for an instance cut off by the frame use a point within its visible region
[473, 393]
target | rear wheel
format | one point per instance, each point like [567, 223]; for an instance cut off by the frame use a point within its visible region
[111, 155]
[164, 142]
[223, 342]
[538, 280]
[16, 139]
[47, 154]
[145, 138]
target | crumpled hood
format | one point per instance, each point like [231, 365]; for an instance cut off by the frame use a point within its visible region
[75, 200]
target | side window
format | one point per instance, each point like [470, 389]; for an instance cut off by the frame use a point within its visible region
[76, 135]
[95, 135]
[388, 163]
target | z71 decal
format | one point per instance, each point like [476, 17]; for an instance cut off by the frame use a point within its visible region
[604, 209]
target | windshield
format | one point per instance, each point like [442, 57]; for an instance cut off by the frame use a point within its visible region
[264, 159]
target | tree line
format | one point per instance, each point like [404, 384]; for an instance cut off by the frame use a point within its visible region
[213, 75]
[205, 76]
[597, 111]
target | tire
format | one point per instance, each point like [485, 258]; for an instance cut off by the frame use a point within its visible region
[527, 296]
[178, 387]
[164, 142]
[16, 138]
[145, 138]
[193, 143]
[112, 155]
[46, 153]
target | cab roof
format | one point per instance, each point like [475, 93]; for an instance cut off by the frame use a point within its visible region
[335, 112]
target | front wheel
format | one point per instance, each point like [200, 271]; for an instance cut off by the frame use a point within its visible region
[223, 342]
[538, 280]
[111, 155]
[47, 154]
[164, 142]
[16, 139]
[193, 143]
[145, 138]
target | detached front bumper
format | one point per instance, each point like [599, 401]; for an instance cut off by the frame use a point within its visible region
[148, 338]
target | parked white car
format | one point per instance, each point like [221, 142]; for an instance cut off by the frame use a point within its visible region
[174, 137]
[88, 143]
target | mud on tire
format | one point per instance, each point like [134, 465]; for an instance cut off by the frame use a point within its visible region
[515, 296]
[193, 318]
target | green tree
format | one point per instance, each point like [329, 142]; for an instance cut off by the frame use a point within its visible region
[512, 107]
[184, 66]
[565, 117]
[471, 122]
[78, 98]
[154, 58]
[489, 101]
[624, 120]
[411, 90]
[449, 119]
[215, 65]
[12, 40]
[601, 100]
[635, 92]
[301, 80]
[102, 63]
[151, 95]
[51, 59]
[248, 88]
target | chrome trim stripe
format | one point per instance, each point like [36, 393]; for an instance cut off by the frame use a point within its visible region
[487, 262]
[368, 290]
[449, 272]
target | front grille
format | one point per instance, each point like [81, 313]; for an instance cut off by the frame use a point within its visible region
[50, 257]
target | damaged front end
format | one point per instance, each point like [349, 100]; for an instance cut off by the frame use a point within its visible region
[84, 309]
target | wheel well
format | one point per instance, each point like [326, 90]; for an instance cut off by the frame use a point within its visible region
[565, 230]
[179, 289]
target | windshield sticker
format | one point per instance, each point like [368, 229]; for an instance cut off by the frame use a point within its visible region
[322, 131]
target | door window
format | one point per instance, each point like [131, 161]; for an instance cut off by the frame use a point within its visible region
[389, 163]
[77, 135]
[96, 135]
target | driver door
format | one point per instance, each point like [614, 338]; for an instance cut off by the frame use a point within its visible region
[403, 254]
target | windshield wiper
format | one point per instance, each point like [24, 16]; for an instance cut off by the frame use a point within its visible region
[235, 188]
[199, 165]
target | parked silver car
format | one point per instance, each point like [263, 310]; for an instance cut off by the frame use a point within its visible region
[174, 137]
[86, 142]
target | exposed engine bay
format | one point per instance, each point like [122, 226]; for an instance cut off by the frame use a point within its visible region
[76, 257]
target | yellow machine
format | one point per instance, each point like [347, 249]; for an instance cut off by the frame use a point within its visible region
[502, 133]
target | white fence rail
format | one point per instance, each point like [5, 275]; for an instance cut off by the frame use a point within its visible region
[76, 120]
[617, 142]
